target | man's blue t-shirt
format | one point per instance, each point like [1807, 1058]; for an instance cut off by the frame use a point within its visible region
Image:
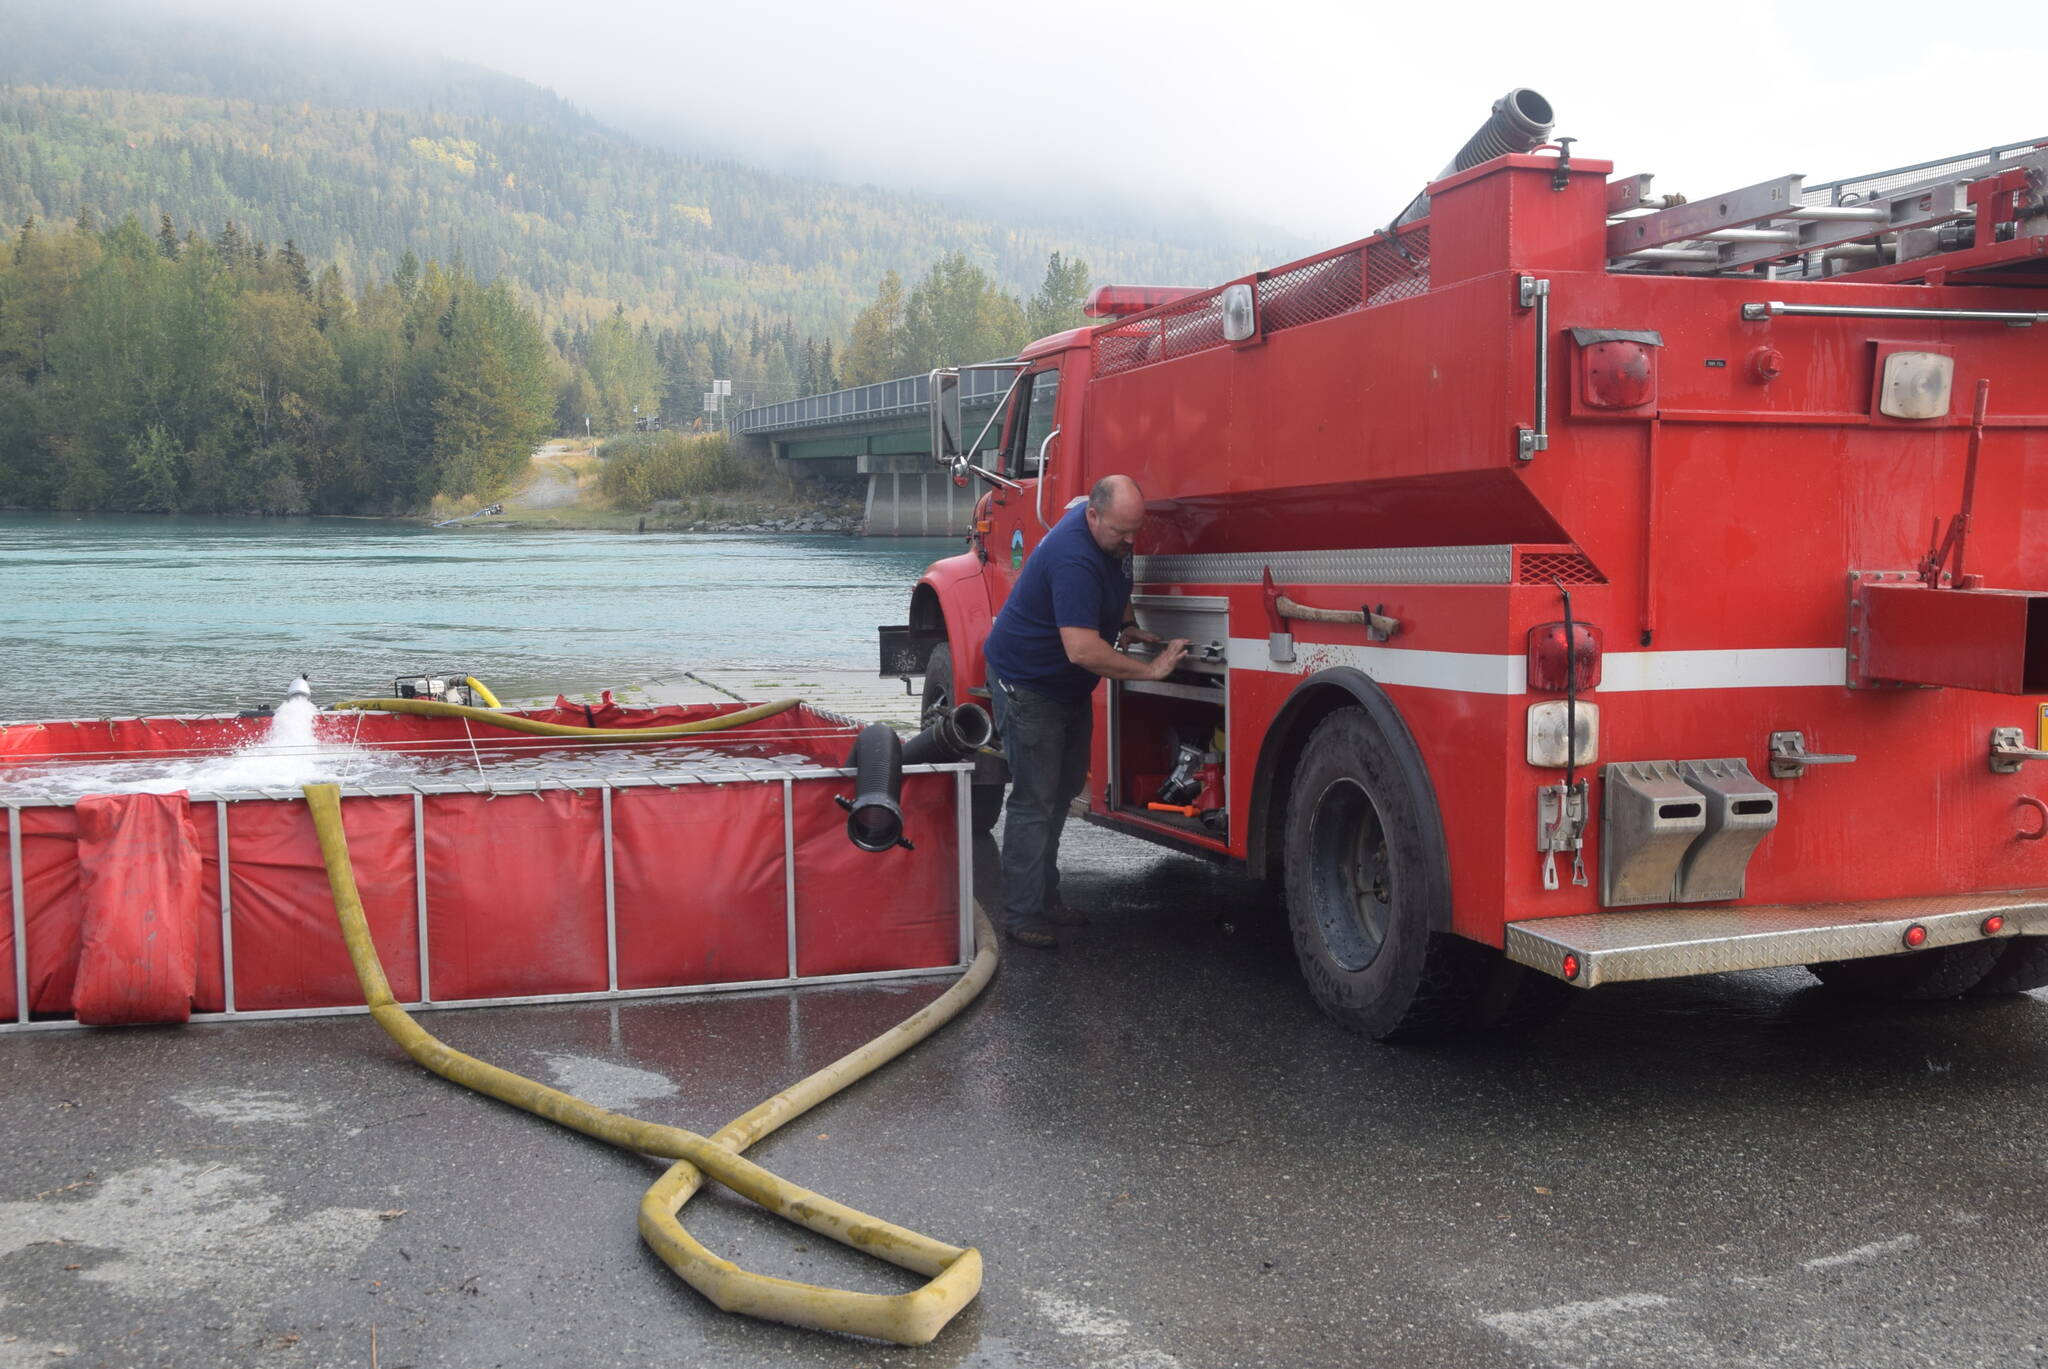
[1067, 582]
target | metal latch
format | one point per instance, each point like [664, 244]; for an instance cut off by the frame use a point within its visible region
[1561, 826]
[1789, 756]
[2009, 750]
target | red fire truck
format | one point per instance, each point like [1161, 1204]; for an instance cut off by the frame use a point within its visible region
[1584, 585]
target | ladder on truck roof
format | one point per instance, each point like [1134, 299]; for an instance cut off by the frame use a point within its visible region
[1984, 213]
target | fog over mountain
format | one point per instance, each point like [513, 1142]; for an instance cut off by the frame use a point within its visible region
[1315, 118]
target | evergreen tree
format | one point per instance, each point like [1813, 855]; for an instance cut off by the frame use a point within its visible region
[166, 237]
[1056, 306]
[294, 264]
[407, 277]
[230, 245]
[874, 347]
[623, 375]
[155, 471]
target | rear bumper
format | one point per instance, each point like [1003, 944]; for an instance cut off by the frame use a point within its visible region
[1666, 943]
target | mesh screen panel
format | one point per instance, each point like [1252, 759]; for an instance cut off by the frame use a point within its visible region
[1308, 294]
[1390, 276]
[1564, 567]
[1326, 287]
[1193, 325]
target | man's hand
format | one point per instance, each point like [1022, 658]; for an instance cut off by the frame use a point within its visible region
[1088, 648]
[1169, 656]
[1133, 634]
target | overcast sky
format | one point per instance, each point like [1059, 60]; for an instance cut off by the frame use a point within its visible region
[1320, 118]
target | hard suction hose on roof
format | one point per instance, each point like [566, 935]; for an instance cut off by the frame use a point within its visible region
[911, 1318]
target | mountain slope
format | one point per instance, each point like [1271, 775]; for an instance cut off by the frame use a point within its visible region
[360, 157]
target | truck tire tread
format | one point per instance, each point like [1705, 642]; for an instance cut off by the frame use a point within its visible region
[2023, 966]
[985, 800]
[1422, 982]
[1941, 972]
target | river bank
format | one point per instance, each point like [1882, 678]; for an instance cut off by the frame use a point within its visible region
[562, 495]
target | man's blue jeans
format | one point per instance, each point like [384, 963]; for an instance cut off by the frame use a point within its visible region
[1046, 742]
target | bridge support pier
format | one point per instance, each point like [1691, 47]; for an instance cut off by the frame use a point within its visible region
[915, 503]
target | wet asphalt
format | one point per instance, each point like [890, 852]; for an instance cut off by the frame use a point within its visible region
[1167, 1156]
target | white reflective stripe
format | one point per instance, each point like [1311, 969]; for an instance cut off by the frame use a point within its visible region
[1766, 668]
[1468, 672]
[1621, 672]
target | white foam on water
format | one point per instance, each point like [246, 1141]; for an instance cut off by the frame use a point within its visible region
[291, 752]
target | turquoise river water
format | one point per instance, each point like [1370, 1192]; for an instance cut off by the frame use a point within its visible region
[113, 616]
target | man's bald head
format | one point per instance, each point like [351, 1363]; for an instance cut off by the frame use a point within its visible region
[1116, 510]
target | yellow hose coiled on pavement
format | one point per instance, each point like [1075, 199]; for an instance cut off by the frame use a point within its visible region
[911, 1318]
[434, 708]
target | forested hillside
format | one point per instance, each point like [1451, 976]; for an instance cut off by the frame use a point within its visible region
[361, 158]
[246, 273]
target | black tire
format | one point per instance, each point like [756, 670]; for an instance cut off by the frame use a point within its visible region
[1943, 972]
[2022, 966]
[986, 800]
[1517, 997]
[1368, 884]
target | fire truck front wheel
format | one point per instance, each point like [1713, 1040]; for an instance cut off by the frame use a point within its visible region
[1366, 884]
[938, 700]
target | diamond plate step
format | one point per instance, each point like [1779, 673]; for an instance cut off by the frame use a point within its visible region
[1665, 943]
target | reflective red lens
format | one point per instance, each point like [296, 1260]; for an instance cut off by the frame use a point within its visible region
[1993, 925]
[1571, 967]
[1119, 301]
[1916, 935]
[1547, 657]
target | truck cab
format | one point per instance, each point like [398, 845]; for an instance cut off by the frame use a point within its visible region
[1029, 466]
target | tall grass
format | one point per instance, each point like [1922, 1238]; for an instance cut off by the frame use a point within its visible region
[640, 468]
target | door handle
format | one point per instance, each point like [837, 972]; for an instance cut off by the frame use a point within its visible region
[1044, 456]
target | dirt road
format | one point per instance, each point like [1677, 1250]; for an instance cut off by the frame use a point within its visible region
[553, 485]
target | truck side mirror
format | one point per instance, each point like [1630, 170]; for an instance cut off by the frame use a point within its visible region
[945, 417]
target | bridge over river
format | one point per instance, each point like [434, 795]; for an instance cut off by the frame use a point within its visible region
[880, 432]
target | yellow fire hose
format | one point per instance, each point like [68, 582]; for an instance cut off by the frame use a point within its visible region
[482, 691]
[911, 1318]
[434, 708]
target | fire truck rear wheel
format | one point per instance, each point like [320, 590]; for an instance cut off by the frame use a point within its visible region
[1943, 972]
[1365, 882]
[2022, 966]
[987, 799]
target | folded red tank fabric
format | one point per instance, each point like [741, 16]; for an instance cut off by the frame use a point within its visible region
[139, 884]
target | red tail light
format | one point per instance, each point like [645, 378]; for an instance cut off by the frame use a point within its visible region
[1993, 925]
[1548, 665]
[1916, 935]
[1570, 966]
